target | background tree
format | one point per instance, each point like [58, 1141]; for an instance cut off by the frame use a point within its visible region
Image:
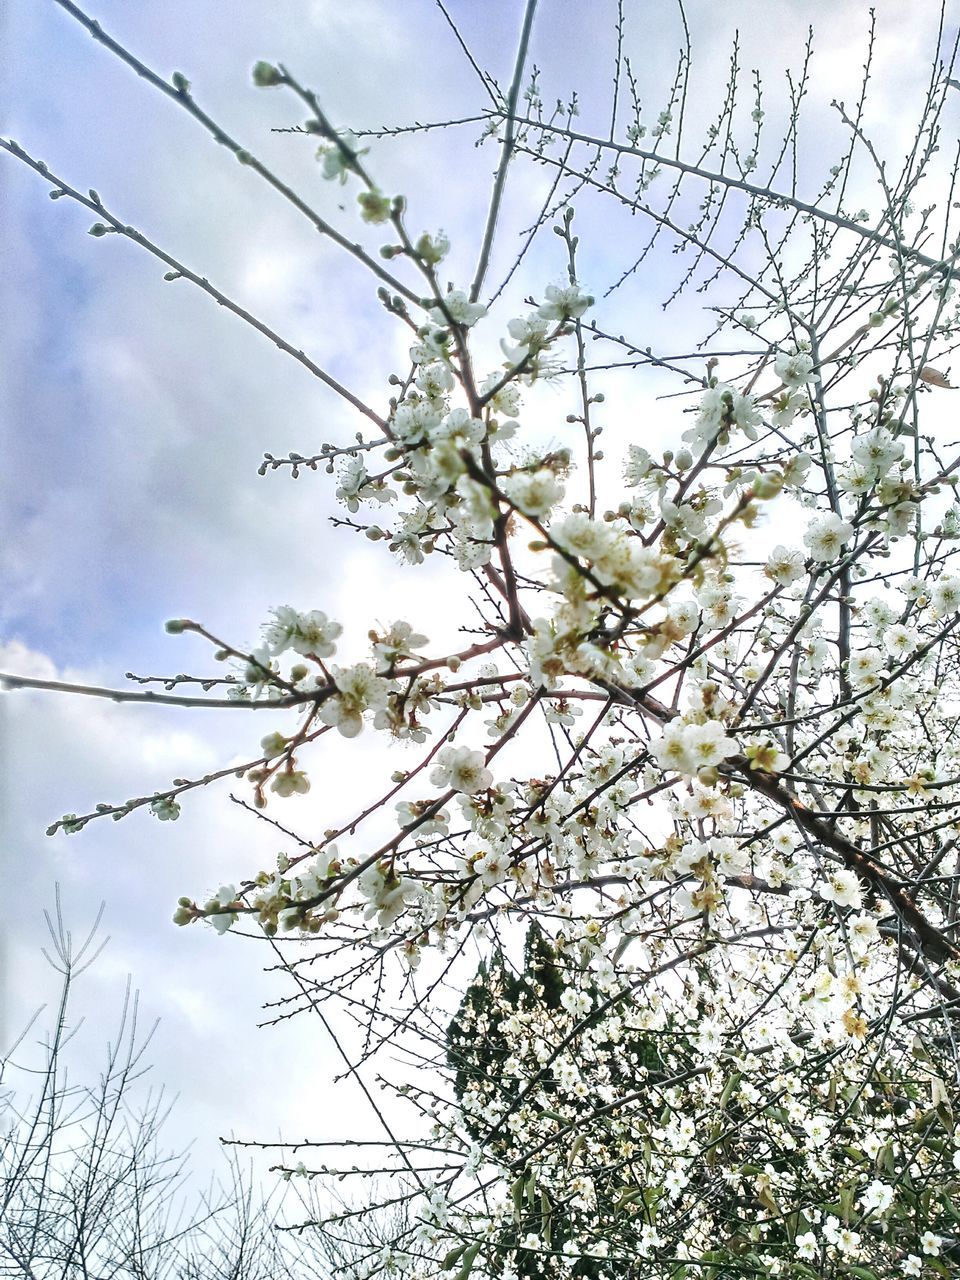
[594, 1177]
[86, 1185]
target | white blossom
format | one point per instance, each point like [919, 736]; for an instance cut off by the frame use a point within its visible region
[462, 770]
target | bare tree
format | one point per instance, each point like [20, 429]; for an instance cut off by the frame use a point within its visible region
[87, 1187]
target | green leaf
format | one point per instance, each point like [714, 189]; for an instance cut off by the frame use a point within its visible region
[516, 1192]
[468, 1260]
[452, 1257]
[728, 1089]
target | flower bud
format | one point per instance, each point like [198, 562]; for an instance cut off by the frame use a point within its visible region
[273, 745]
[266, 75]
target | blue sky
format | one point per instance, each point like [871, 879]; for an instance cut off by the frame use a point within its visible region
[135, 414]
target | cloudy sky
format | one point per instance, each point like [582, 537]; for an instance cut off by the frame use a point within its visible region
[135, 412]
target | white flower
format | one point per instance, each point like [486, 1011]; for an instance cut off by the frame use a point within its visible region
[826, 536]
[877, 1197]
[165, 808]
[863, 933]
[530, 332]
[785, 565]
[459, 308]
[912, 1265]
[355, 486]
[461, 429]
[433, 249]
[865, 667]
[843, 888]
[358, 688]
[306, 633]
[433, 344]
[274, 744]
[375, 207]
[710, 1038]
[831, 1229]
[930, 1244]
[399, 642]
[708, 744]
[491, 867]
[877, 451]
[688, 748]
[291, 782]
[806, 1246]
[670, 749]
[899, 641]
[339, 156]
[462, 770]
[794, 370]
[946, 595]
[534, 493]
[564, 303]
[576, 1003]
[848, 1241]
[579, 535]
[786, 407]
[220, 919]
[415, 420]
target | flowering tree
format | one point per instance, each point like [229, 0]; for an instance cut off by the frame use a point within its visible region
[698, 743]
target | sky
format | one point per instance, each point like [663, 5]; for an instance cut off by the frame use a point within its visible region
[134, 414]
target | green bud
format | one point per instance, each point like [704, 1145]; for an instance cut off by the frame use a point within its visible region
[180, 82]
[98, 229]
[175, 626]
[266, 75]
